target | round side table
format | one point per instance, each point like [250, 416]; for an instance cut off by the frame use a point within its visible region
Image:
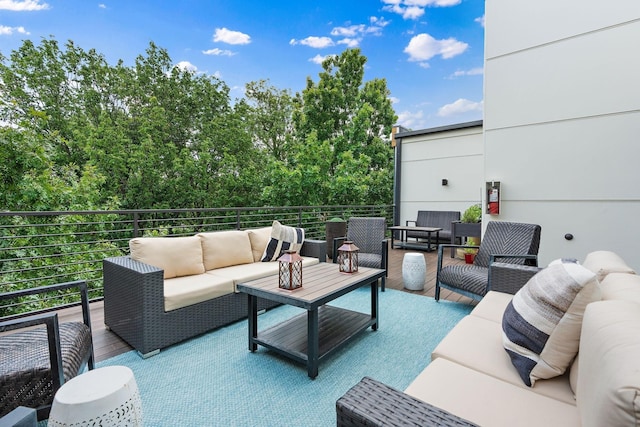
[104, 396]
[414, 271]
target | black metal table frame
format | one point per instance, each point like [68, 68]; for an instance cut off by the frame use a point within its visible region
[404, 243]
[342, 328]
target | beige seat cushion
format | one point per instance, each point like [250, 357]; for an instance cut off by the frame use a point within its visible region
[477, 344]
[622, 286]
[492, 305]
[608, 391]
[605, 262]
[488, 401]
[244, 273]
[177, 256]
[225, 248]
[259, 237]
[183, 291]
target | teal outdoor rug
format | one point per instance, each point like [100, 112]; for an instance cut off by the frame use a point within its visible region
[214, 380]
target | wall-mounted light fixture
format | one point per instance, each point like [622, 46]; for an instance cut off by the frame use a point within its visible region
[445, 181]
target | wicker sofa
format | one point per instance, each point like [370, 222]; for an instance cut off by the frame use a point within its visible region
[170, 289]
[471, 379]
[440, 219]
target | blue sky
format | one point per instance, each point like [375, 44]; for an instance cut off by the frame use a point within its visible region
[429, 51]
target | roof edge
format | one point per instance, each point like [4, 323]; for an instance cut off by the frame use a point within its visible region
[446, 128]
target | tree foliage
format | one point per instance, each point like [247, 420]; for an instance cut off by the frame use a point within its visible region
[79, 133]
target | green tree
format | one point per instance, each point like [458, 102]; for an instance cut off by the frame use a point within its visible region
[342, 125]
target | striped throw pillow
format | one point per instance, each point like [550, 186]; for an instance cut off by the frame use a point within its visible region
[282, 238]
[541, 325]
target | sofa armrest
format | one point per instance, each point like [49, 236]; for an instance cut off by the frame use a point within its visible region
[315, 249]
[133, 298]
[372, 403]
[509, 278]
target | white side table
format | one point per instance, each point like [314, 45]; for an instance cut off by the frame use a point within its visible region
[104, 396]
[414, 271]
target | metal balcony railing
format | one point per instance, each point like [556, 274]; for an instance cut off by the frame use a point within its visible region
[43, 248]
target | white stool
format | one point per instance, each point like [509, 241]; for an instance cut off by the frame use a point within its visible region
[104, 396]
[414, 271]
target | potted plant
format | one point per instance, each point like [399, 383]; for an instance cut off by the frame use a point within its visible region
[469, 226]
[335, 227]
[470, 253]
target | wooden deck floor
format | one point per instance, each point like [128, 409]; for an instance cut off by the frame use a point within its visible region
[107, 344]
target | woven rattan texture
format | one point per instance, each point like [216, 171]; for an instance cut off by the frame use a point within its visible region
[134, 307]
[500, 238]
[25, 372]
[372, 403]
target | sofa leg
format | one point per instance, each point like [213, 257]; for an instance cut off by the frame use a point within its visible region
[437, 292]
[149, 354]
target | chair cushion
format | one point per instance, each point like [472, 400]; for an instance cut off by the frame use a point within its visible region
[541, 325]
[370, 260]
[225, 248]
[282, 238]
[621, 286]
[177, 256]
[608, 391]
[467, 277]
[259, 237]
[605, 262]
[25, 372]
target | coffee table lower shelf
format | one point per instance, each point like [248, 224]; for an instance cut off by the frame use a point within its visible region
[336, 326]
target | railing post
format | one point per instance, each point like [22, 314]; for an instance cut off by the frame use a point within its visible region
[135, 224]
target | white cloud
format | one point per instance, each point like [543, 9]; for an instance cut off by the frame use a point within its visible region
[410, 119]
[350, 35]
[349, 42]
[424, 47]
[394, 100]
[315, 42]
[460, 106]
[218, 52]
[319, 59]
[8, 31]
[480, 20]
[186, 66]
[472, 72]
[349, 31]
[102, 6]
[414, 9]
[231, 37]
[23, 6]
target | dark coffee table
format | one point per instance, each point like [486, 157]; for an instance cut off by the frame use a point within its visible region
[309, 337]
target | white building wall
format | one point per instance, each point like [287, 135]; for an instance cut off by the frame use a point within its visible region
[562, 121]
[430, 157]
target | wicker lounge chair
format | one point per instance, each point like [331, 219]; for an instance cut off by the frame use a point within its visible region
[368, 234]
[508, 242]
[35, 362]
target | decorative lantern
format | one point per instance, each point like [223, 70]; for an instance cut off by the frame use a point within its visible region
[290, 272]
[348, 257]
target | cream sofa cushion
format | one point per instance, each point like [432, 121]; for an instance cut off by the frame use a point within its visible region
[488, 401]
[225, 248]
[477, 344]
[608, 391]
[177, 256]
[257, 270]
[259, 237]
[187, 290]
[605, 262]
[622, 286]
[492, 306]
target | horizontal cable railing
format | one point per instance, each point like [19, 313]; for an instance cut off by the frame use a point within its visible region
[44, 248]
